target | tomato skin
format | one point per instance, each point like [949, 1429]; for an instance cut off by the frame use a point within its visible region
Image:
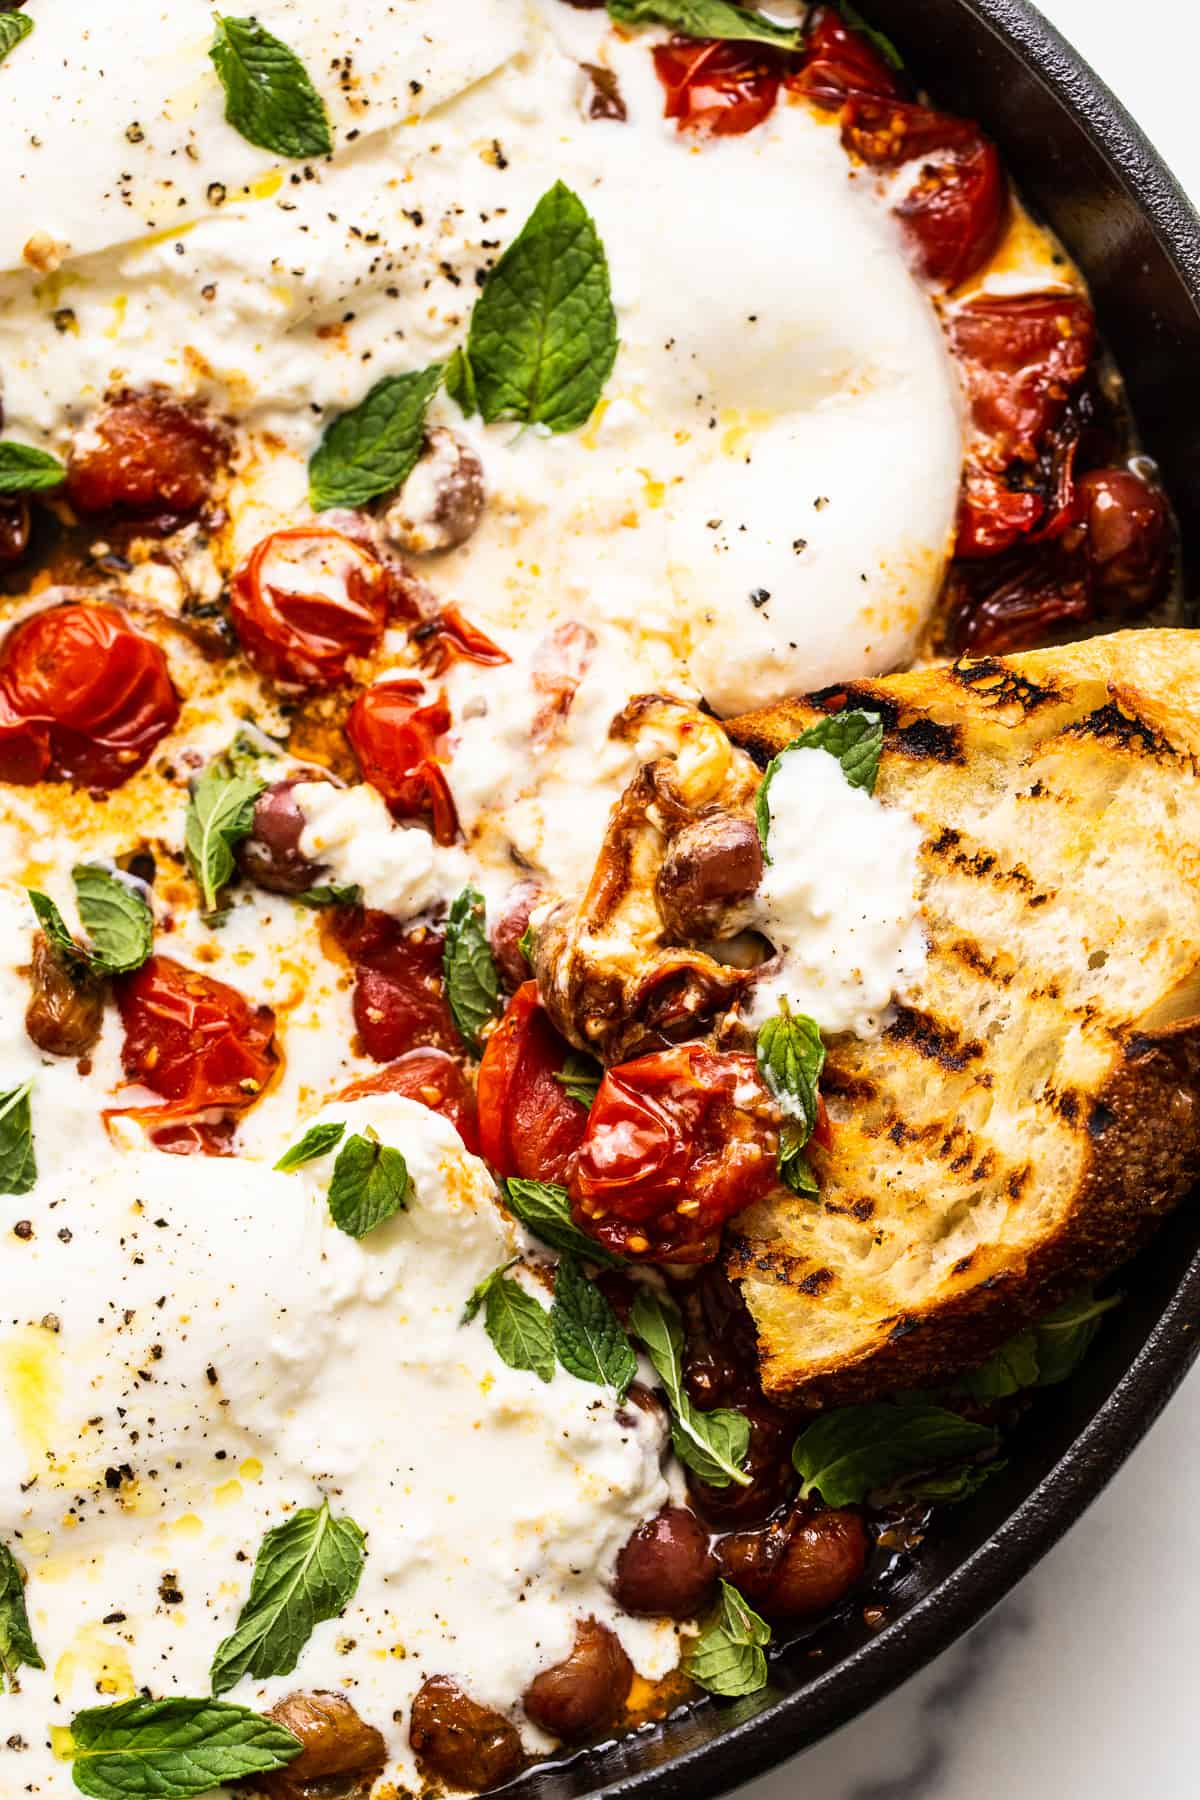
[399, 996]
[1021, 358]
[676, 1143]
[447, 637]
[528, 1124]
[145, 453]
[434, 1078]
[199, 1044]
[305, 601]
[955, 214]
[398, 739]
[717, 88]
[840, 63]
[1016, 601]
[83, 697]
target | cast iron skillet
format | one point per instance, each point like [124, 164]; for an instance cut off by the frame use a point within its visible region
[1083, 164]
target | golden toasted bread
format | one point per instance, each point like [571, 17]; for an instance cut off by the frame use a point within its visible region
[1033, 1109]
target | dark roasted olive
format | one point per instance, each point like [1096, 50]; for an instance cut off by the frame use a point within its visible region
[342, 1757]
[509, 929]
[457, 1741]
[768, 1462]
[710, 869]
[442, 500]
[14, 529]
[66, 1009]
[1127, 523]
[271, 856]
[666, 1569]
[582, 1695]
[720, 1363]
[798, 1566]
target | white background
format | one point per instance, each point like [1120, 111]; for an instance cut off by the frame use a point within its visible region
[1084, 1684]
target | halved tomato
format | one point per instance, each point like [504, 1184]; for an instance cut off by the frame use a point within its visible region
[399, 739]
[305, 601]
[435, 1078]
[718, 88]
[528, 1123]
[399, 995]
[83, 697]
[145, 453]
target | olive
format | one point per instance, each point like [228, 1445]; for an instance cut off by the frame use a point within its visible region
[711, 868]
[342, 1757]
[798, 1566]
[442, 500]
[270, 856]
[666, 1568]
[66, 1006]
[1127, 523]
[582, 1695]
[460, 1742]
[14, 529]
[768, 1462]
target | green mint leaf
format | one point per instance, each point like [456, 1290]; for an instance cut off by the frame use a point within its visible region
[472, 979]
[706, 19]
[526, 944]
[116, 919]
[72, 956]
[460, 383]
[317, 898]
[728, 1657]
[373, 448]
[790, 1058]
[795, 1170]
[944, 1487]
[18, 1165]
[317, 1141]
[884, 45]
[173, 1749]
[369, 1186]
[589, 1339]
[543, 336]
[13, 27]
[855, 738]
[482, 1289]
[545, 1209]
[1013, 1368]
[17, 1648]
[580, 1078]
[519, 1328]
[269, 98]
[1043, 1354]
[846, 1454]
[220, 814]
[712, 1444]
[306, 1570]
[24, 470]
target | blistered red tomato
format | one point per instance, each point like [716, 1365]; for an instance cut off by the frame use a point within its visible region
[145, 454]
[838, 64]
[399, 739]
[207, 1051]
[718, 88]
[305, 601]
[447, 637]
[399, 995]
[676, 1143]
[83, 697]
[434, 1078]
[559, 665]
[528, 1124]
[954, 212]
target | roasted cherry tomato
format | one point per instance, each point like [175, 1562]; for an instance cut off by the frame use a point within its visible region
[955, 211]
[83, 697]
[838, 64]
[434, 1078]
[528, 1123]
[447, 637]
[1016, 601]
[1127, 538]
[199, 1044]
[145, 454]
[398, 738]
[305, 601]
[718, 88]
[676, 1143]
[399, 996]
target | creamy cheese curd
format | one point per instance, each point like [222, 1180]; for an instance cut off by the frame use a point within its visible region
[192, 1350]
[838, 899]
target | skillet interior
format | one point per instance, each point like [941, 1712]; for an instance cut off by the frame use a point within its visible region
[1082, 163]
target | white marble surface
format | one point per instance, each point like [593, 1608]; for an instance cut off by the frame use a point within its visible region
[1082, 1685]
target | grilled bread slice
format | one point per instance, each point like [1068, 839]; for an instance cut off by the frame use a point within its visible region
[1033, 1108]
